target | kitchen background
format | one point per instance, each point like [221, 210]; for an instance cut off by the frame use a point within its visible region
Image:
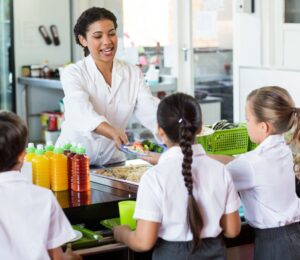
[200, 47]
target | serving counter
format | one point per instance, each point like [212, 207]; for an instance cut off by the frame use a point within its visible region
[101, 202]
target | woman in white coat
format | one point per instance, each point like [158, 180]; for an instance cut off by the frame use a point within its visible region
[102, 93]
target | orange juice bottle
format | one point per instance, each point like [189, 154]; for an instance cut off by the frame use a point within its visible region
[59, 170]
[41, 168]
[49, 148]
[80, 170]
[30, 152]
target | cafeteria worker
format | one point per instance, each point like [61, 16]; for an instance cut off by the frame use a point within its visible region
[101, 92]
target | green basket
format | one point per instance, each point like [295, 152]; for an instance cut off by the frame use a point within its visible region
[251, 145]
[228, 142]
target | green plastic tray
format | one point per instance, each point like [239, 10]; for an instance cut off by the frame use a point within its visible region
[228, 142]
[110, 223]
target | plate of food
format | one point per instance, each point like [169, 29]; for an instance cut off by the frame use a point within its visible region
[78, 235]
[141, 148]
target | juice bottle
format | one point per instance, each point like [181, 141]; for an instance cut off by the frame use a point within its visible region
[30, 152]
[59, 170]
[67, 147]
[80, 170]
[70, 159]
[41, 168]
[49, 148]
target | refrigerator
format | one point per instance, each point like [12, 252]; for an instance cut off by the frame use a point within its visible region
[7, 77]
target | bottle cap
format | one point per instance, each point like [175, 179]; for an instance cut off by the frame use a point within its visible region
[58, 150]
[80, 150]
[49, 146]
[39, 149]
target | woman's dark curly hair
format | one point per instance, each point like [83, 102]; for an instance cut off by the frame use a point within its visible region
[88, 17]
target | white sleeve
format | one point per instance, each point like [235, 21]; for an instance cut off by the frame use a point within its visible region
[146, 106]
[232, 199]
[60, 230]
[79, 111]
[242, 173]
[148, 204]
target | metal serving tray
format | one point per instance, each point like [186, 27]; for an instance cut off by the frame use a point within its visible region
[115, 182]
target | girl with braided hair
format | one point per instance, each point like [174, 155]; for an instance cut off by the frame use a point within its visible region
[265, 176]
[186, 201]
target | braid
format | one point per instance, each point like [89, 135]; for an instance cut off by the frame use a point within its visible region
[194, 219]
[179, 115]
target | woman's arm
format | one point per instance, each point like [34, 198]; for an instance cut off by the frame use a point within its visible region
[142, 239]
[117, 135]
[222, 158]
[231, 224]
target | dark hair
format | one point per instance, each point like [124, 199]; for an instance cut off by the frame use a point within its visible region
[275, 105]
[88, 17]
[13, 139]
[179, 115]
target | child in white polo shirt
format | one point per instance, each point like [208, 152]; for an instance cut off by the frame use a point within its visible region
[265, 178]
[187, 200]
[32, 224]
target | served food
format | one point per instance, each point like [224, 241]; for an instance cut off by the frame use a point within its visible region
[141, 148]
[128, 173]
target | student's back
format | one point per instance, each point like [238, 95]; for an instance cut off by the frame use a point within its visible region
[213, 190]
[32, 224]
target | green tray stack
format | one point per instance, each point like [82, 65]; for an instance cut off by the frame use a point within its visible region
[228, 142]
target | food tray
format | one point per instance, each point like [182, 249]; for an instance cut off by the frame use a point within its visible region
[228, 142]
[115, 177]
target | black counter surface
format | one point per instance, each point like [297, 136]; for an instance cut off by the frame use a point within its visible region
[101, 202]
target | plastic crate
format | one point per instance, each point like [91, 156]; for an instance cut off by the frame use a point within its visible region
[228, 142]
[251, 145]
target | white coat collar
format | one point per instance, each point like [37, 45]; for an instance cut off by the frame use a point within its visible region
[117, 74]
[175, 151]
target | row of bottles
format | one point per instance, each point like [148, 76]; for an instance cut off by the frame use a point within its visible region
[59, 168]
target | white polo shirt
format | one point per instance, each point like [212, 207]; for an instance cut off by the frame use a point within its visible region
[31, 220]
[162, 195]
[265, 180]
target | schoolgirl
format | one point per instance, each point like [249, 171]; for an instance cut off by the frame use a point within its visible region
[186, 201]
[265, 178]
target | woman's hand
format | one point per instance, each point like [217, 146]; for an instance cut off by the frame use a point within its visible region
[117, 135]
[151, 157]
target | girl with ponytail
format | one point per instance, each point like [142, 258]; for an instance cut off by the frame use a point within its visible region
[265, 176]
[186, 201]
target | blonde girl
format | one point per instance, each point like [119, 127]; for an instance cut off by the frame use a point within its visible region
[265, 177]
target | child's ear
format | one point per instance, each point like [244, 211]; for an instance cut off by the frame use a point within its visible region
[161, 132]
[199, 130]
[21, 156]
[266, 127]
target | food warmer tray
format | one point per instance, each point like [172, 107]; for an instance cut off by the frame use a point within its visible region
[115, 182]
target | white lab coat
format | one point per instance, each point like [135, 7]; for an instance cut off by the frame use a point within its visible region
[89, 101]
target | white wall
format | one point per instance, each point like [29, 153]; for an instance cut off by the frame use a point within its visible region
[252, 78]
[268, 47]
[30, 48]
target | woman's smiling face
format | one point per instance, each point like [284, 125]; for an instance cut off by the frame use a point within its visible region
[101, 40]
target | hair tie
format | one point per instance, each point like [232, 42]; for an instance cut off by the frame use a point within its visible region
[190, 193]
[180, 120]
